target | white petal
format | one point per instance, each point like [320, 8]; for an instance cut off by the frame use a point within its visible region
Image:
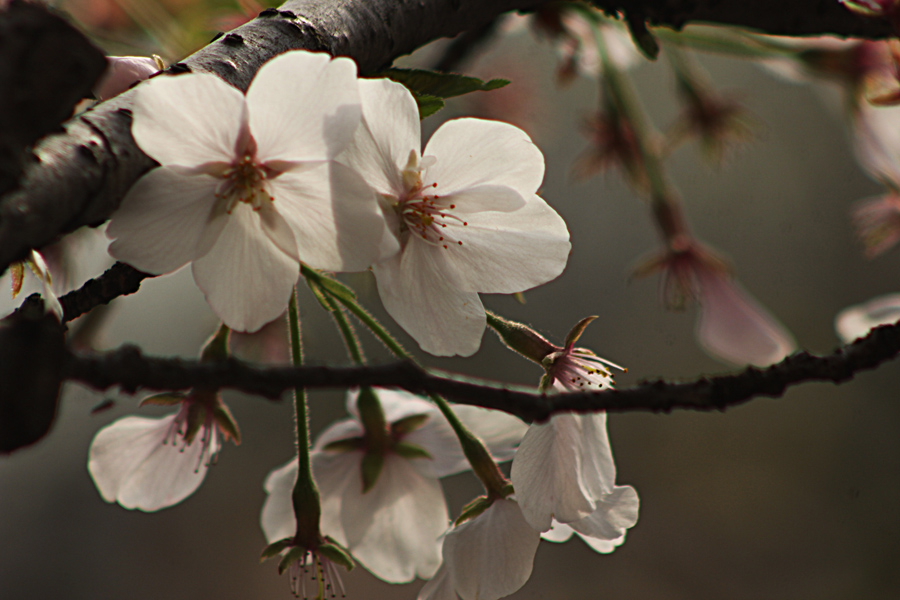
[334, 215]
[187, 120]
[508, 252]
[336, 473]
[304, 106]
[277, 517]
[616, 512]
[857, 321]
[491, 556]
[419, 291]
[877, 140]
[132, 466]
[558, 532]
[389, 131]
[246, 277]
[165, 221]
[561, 467]
[394, 528]
[122, 72]
[501, 433]
[440, 587]
[734, 327]
[473, 152]
[344, 429]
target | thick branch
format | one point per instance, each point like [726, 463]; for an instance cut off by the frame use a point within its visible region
[131, 371]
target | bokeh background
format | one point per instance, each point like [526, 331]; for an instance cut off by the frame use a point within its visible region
[788, 498]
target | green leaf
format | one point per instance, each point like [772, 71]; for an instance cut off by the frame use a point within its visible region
[428, 105]
[441, 85]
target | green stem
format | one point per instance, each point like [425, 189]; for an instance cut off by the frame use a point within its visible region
[474, 449]
[305, 496]
[667, 209]
[343, 324]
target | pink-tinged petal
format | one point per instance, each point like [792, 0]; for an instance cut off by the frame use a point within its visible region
[500, 432]
[277, 518]
[394, 528]
[857, 321]
[734, 327]
[420, 292]
[491, 556]
[473, 152]
[440, 587]
[616, 512]
[122, 72]
[187, 120]
[304, 106]
[165, 221]
[389, 131]
[561, 468]
[334, 215]
[131, 464]
[246, 277]
[508, 252]
[877, 137]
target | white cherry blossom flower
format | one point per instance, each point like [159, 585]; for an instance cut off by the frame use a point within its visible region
[604, 529]
[465, 214]
[247, 187]
[151, 464]
[392, 528]
[563, 467]
[486, 557]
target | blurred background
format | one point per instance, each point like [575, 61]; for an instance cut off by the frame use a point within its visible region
[793, 497]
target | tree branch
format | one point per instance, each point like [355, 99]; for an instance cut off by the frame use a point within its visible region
[131, 371]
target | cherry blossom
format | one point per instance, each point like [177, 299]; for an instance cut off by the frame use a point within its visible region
[485, 557]
[565, 465]
[150, 464]
[464, 212]
[731, 324]
[857, 321]
[247, 187]
[392, 526]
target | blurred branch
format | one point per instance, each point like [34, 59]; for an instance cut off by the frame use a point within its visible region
[794, 18]
[131, 371]
[118, 280]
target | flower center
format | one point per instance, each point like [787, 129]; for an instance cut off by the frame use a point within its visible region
[245, 181]
[423, 214]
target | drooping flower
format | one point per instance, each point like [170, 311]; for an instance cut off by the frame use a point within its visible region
[877, 223]
[314, 571]
[613, 143]
[604, 529]
[392, 525]
[565, 466]
[731, 324]
[857, 321]
[150, 464]
[122, 72]
[487, 556]
[464, 212]
[247, 187]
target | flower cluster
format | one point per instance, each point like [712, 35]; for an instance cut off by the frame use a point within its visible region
[314, 166]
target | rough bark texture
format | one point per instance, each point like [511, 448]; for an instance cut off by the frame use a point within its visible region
[131, 371]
